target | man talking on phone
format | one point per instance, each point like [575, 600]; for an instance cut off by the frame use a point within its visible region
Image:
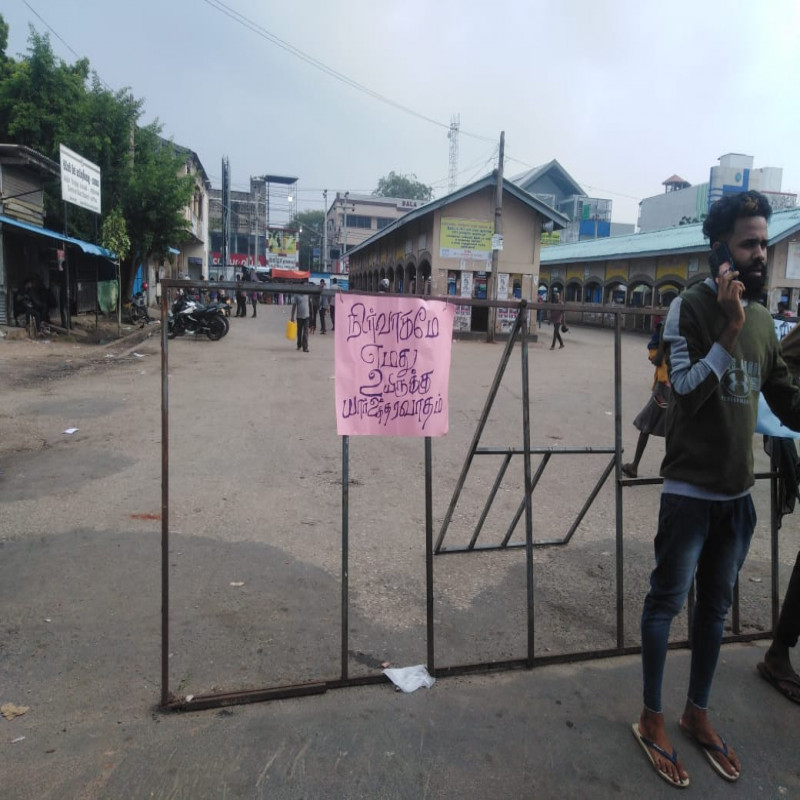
[722, 351]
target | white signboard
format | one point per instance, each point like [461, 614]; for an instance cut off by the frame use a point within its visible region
[80, 180]
[502, 285]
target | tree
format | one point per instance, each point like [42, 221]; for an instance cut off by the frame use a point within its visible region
[406, 187]
[154, 200]
[114, 237]
[45, 102]
[311, 223]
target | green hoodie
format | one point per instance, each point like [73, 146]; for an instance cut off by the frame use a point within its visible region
[712, 413]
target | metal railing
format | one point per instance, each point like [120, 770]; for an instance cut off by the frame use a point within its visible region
[518, 334]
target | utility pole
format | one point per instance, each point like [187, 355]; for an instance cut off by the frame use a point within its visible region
[498, 229]
[325, 232]
[344, 243]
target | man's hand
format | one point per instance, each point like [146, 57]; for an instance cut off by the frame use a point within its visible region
[729, 296]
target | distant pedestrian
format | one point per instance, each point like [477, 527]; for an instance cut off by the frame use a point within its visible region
[557, 318]
[324, 304]
[335, 288]
[241, 299]
[313, 301]
[254, 301]
[301, 312]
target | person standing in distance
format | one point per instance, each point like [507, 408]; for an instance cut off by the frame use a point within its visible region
[557, 318]
[336, 288]
[722, 352]
[300, 312]
[324, 303]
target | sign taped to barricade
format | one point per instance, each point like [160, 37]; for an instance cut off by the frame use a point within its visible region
[392, 365]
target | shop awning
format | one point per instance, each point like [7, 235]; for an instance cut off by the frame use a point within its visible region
[290, 275]
[87, 247]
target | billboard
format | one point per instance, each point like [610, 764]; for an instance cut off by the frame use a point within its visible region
[282, 249]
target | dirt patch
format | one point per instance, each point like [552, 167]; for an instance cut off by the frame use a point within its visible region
[27, 362]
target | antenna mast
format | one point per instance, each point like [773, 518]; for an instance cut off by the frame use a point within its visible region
[452, 135]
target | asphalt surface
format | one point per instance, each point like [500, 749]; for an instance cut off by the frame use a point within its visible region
[255, 576]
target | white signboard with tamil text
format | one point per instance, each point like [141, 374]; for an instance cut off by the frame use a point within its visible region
[80, 180]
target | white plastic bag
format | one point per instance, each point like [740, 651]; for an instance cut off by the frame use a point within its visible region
[409, 679]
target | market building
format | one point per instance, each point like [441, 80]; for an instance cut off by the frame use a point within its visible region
[445, 248]
[648, 270]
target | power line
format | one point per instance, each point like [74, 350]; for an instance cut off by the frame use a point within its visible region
[259, 30]
[585, 185]
[62, 40]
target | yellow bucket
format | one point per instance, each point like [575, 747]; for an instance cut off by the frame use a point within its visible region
[291, 330]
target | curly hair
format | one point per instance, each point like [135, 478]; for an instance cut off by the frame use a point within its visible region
[723, 214]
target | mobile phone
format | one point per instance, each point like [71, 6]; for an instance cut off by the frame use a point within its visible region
[718, 256]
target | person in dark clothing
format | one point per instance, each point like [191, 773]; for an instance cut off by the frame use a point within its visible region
[332, 307]
[557, 318]
[27, 302]
[323, 306]
[241, 299]
[313, 302]
[722, 352]
[776, 668]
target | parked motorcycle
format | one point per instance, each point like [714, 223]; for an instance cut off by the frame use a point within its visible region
[190, 316]
[137, 310]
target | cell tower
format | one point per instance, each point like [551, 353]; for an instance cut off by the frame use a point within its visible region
[452, 135]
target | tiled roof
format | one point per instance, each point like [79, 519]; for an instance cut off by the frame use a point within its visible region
[680, 239]
[559, 220]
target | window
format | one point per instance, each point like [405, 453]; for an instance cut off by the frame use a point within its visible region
[358, 221]
[383, 221]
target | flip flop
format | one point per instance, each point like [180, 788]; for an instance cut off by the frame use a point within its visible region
[707, 749]
[648, 746]
[789, 687]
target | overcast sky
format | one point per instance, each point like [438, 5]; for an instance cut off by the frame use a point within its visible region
[623, 93]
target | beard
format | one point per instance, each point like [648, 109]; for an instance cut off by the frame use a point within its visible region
[753, 282]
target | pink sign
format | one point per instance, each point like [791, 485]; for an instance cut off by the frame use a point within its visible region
[392, 365]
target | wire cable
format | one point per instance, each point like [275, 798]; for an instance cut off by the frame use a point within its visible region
[259, 30]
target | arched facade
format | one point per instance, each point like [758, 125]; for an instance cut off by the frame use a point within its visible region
[445, 248]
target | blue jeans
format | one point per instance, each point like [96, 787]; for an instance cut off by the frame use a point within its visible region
[712, 538]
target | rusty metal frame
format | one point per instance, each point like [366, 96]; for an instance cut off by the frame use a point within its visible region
[519, 333]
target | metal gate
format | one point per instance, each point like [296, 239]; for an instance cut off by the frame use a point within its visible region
[519, 334]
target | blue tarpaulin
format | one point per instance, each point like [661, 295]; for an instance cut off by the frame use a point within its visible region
[87, 247]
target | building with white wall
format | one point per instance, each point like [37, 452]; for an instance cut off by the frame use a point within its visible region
[353, 218]
[682, 203]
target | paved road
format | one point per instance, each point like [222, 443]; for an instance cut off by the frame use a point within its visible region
[255, 519]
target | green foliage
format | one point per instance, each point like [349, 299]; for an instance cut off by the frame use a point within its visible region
[406, 187]
[312, 223]
[45, 102]
[686, 220]
[157, 195]
[114, 234]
